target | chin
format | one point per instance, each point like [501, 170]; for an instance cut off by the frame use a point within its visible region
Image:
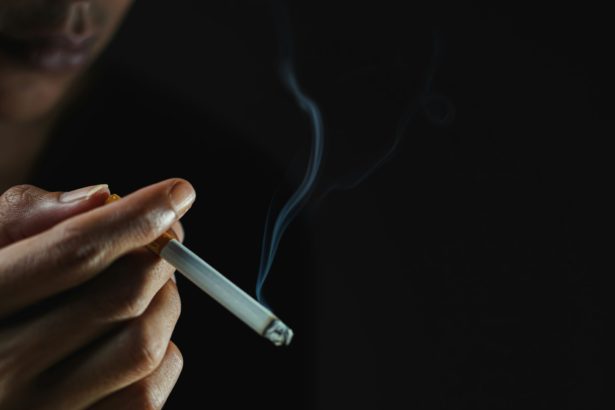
[27, 97]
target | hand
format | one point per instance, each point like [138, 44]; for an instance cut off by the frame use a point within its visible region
[86, 312]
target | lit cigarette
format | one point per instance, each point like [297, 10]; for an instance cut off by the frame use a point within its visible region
[216, 285]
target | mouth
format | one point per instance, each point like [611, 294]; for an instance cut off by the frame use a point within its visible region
[64, 42]
[49, 52]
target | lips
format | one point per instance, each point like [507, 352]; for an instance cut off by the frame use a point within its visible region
[63, 43]
[51, 52]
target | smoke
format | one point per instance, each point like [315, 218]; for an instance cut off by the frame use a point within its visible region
[275, 226]
[436, 108]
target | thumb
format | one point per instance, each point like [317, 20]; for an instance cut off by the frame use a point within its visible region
[26, 210]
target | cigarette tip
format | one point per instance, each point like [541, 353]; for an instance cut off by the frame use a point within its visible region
[279, 334]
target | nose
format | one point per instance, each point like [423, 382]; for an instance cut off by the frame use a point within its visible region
[78, 26]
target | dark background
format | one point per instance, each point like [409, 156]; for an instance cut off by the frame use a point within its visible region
[462, 273]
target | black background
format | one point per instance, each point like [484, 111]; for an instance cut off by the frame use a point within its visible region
[462, 273]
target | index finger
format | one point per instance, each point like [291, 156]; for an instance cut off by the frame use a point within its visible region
[75, 250]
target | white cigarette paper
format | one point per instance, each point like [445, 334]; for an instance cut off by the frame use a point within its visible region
[225, 292]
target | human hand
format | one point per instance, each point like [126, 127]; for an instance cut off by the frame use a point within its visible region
[86, 312]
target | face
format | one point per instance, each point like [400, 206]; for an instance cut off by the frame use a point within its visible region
[44, 46]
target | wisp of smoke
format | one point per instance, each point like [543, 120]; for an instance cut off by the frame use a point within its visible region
[438, 110]
[275, 226]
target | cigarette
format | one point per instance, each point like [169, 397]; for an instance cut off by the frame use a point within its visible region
[220, 288]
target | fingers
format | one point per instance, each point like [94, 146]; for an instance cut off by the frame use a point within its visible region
[26, 210]
[123, 293]
[75, 250]
[151, 392]
[116, 362]
[178, 228]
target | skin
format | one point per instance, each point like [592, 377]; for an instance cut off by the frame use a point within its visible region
[86, 312]
[30, 98]
[28, 94]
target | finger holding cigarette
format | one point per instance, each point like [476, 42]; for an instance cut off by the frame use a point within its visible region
[98, 286]
[79, 248]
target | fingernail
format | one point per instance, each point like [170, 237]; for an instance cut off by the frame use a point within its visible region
[82, 193]
[182, 196]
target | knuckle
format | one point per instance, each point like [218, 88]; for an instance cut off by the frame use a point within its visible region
[133, 301]
[146, 350]
[147, 396]
[130, 297]
[134, 281]
[148, 223]
[176, 356]
[17, 195]
[143, 227]
[77, 247]
[129, 301]
[13, 207]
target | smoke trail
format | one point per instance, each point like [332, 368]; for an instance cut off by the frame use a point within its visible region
[275, 227]
[438, 110]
